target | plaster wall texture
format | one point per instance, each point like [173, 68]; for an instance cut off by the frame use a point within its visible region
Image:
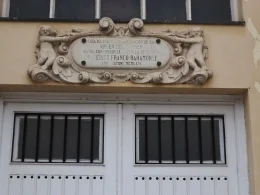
[234, 57]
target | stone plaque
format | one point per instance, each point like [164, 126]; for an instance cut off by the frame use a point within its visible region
[124, 53]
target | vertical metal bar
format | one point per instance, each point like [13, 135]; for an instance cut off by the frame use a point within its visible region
[65, 138]
[37, 138]
[52, 8]
[92, 139]
[159, 140]
[98, 9]
[200, 139]
[224, 135]
[51, 138]
[5, 8]
[136, 136]
[24, 136]
[213, 140]
[235, 10]
[146, 139]
[187, 140]
[78, 142]
[173, 141]
[14, 134]
[188, 10]
[143, 9]
[103, 134]
[119, 150]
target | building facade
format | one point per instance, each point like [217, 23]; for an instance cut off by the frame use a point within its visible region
[129, 97]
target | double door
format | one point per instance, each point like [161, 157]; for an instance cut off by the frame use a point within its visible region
[125, 149]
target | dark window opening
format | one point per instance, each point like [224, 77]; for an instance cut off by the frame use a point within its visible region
[29, 8]
[174, 10]
[209, 11]
[76, 9]
[123, 10]
[52, 138]
[180, 139]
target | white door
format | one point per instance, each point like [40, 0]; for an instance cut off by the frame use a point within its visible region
[58, 149]
[109, 149]
[179, 150]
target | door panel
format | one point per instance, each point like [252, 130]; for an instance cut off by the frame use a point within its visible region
[70, 178]
[183, 178]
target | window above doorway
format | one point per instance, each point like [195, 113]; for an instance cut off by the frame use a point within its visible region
[152, 11]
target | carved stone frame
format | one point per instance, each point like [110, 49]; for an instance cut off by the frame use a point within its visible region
[186, 65]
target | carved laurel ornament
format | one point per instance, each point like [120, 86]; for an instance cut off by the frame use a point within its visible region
[120, 54]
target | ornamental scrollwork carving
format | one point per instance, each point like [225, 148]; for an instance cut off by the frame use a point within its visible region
[62, 55]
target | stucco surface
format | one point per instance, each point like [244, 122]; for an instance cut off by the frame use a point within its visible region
[228, 57]
[234, 57]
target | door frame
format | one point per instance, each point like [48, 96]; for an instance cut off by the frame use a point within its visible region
[83, 98]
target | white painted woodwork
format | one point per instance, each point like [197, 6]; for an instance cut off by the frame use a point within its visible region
[28, 184]
[181, 174]
[194, 185]
[42, 186]
[72, 185]
[181, 186]
[139, 186]
[221, 186]
[208, 186]
[153, 186]
[167, 186]
[119, 171]
[56, 185]
[84, 186]
[15, 187]
[98, 186]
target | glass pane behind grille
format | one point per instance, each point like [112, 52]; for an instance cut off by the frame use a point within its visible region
[76, 9]
[29, 9]
[180, 139]
[85, 139]
[120, 10]
[58, 138]
[153, 142]
[52, 138]
[164, 10]
[71, 139]
[193, 137]
[166, 139]
[44, 138]
[30, 138]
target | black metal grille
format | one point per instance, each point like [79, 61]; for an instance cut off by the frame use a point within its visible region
[58, 138]
[180, 139]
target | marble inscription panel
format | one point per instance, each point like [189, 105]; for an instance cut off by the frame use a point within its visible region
[123, 53]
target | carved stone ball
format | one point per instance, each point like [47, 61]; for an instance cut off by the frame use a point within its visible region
[176, 49]
[181, 60]
[61, 60]
[134, 76]
[107, 76]
[137, 24]
[65, 48]
[105, 24]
